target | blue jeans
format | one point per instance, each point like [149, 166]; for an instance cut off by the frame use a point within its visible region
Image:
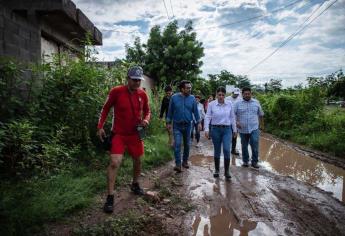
[181, 133]
[221, 135]
[197, 132]
[253, 139]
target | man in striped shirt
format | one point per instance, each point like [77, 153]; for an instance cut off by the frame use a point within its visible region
[249, 116]
[235, 97]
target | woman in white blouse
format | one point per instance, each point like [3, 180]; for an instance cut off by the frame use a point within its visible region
[223, 125]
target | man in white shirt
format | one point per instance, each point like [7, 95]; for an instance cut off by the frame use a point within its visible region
[236, 96]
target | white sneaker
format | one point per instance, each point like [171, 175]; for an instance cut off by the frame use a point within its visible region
[198, 145]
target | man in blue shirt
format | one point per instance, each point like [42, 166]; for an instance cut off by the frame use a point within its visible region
[249, 115]
[182, 107]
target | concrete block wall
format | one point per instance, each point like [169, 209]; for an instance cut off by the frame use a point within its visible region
[19, 39]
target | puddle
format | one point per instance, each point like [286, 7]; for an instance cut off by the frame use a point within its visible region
[254, 203]
[224, 222]
[284, 160]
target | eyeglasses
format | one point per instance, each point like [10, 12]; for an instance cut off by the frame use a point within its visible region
[136, 80]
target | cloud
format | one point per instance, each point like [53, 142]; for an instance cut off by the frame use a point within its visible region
[318, 50]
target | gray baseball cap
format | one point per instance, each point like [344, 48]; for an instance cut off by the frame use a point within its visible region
[135, 72]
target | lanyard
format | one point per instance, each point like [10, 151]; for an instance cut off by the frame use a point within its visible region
[132, 106]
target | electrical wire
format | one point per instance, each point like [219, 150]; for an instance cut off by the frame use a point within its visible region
[292, 35]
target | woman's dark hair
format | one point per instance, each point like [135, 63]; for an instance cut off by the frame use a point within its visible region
[221, 89]
[198, 96]
[246, 89]
[168, 88]
[182, 83]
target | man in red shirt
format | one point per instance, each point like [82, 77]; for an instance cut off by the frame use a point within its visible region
[130, 112]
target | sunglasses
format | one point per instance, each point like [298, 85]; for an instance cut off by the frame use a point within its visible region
[136, 80]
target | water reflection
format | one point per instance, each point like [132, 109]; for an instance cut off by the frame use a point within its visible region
[223, 222]
[284, 160]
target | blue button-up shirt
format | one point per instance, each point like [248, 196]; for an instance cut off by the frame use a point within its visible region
[247, 115]
[182, 108]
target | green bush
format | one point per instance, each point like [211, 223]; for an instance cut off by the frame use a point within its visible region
[299, 116]
[48, 128]
[49, 163]
[18, 147]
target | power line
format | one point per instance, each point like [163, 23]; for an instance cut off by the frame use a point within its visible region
[248, 19]
[251, 18]
[248, 36]
[292, 35]
[172, 10]
[166, 10]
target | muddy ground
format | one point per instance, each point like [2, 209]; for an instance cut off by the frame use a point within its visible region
[255, 202]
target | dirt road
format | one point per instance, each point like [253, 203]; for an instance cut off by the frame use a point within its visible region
[258, 202]
[254, 202]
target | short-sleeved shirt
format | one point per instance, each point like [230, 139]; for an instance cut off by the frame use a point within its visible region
[247, 115]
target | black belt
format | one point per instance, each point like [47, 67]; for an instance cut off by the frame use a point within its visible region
[182, 122]
[221, 126]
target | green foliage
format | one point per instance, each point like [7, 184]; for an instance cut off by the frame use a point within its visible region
[300, 116]
[71, 96]
[17, 147]
[15, 90]
[57, 123]
[135, 54]
[332, 85]
[48, 161]
[274, 85]
[169, 56]
[130, 223]
[27, 205]
[338, 88]
[226, 78]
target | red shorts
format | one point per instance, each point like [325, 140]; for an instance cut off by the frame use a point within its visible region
[134, 145]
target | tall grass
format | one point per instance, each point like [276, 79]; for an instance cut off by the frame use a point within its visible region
[50, 161]
[27, 205]
[303, 118]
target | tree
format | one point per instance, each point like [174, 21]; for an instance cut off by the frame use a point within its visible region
[274, 85]
[227, 78]
[338, 88]
[331, 85]
[259, 88]
[170, 55]
[135, 54]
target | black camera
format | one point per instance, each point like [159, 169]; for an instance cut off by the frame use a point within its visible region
[141, 132]
[107, 140]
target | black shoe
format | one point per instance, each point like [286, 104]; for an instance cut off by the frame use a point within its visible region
[245, 164]
[255, 165]
[185, 165]
[109, 204]
[227, 169]
[178, 169]
[216, 174]
[136, 189]
[235, 153]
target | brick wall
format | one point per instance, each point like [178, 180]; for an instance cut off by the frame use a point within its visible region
[19, 38]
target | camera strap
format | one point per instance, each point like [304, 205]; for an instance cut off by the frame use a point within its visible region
[132, 106]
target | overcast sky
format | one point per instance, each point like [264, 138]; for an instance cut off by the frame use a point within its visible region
[237, 47]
